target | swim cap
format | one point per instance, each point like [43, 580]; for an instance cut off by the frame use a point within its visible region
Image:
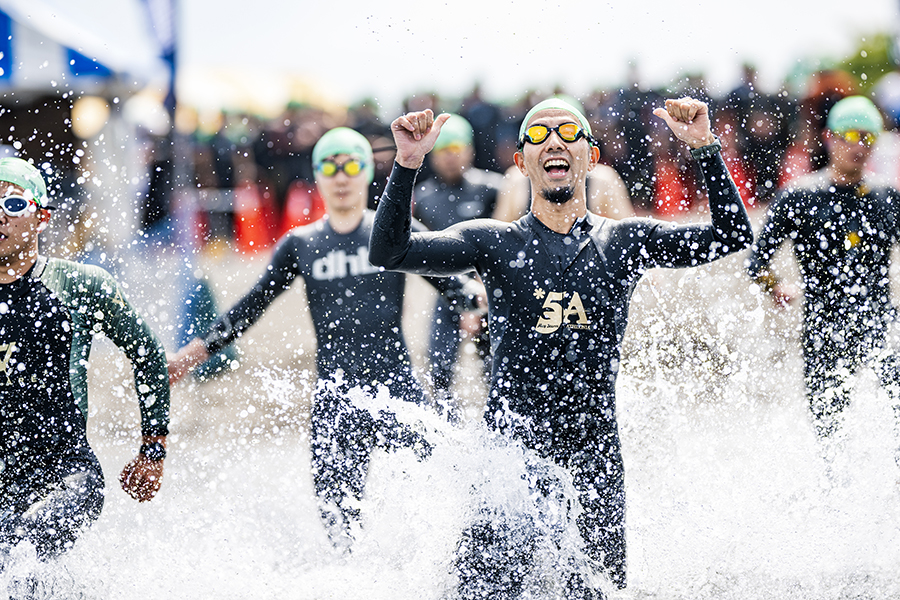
[26, 176]
[343, 140]
[855, 112]
[456, 130]
[558, 104]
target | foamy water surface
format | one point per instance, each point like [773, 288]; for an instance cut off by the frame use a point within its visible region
[727, 493]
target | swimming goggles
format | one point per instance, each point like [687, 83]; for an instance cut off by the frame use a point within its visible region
[16, 206]
[854, 136]
[567, 132]
[329, 168]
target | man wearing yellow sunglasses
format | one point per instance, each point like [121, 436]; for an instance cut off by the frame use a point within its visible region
[357, 314]
[559, 281]
[51, 484]
[842, 226]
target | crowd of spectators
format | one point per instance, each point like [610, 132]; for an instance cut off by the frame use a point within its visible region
[768, 138]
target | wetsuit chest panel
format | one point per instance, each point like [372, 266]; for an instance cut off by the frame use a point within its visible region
[356, 307]
[842, 244]
[37, 407]
[566, 316]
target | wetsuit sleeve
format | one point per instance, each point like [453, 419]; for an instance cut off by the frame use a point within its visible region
[671, 245]
[460, 292]
[279, 275]
[779, 221]
[394, 246]
[120, 322]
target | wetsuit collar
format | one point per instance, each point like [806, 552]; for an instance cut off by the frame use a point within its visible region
[563, 248]
[362, 220]
[581, 225]
[37, 269]
[12, 291]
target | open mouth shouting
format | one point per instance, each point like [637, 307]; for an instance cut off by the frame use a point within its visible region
[556, 167]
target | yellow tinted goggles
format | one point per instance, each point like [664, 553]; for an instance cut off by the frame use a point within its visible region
[329, 168]
[854, 136]
[567, 132]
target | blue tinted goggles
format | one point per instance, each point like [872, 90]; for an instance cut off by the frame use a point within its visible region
[16, 206]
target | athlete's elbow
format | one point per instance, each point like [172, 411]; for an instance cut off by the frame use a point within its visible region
[741, 241]
[380, 256]
[733, 246]
[735, 239]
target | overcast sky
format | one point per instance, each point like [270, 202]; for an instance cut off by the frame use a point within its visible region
[232, 50]
[390, 48]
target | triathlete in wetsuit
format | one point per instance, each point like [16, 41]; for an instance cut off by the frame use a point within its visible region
[558, 283]
[51, 485]
[842, 227]
[356, 310]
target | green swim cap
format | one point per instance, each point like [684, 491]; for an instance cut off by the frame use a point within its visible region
[559, 104]
[456, 130]
[855, 112]
[343, 140]
[26, 176]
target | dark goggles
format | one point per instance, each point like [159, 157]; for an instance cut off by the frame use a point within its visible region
[329, 168]
[16, 206]
[854, 136]
[567, 132]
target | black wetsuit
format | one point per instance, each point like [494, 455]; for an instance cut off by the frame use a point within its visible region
[439, 205]
[356, 310]
[558, 307]
[842, 238]
[51, 484]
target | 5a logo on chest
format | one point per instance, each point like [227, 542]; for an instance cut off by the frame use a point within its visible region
[555, 316]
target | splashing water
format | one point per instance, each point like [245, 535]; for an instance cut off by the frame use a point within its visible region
[728, 495]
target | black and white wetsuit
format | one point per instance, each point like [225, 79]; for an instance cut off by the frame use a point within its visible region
[558, 308]
[356, 310]
[51, 484]
[842, 237]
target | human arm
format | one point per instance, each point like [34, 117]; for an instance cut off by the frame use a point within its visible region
[395, 246]
[773, 235]
[141, 478]
[184, 361]
[277, 278]
[392, 244]
[671, 245]
[463, 293]
[414, 135]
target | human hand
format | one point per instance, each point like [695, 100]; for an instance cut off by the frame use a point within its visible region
[414, 135]
[689, 121]
[783, 295]
[471, 323]
[141, 478]
[182, 362]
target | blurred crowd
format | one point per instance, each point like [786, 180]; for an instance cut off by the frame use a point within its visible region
[255, 178]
